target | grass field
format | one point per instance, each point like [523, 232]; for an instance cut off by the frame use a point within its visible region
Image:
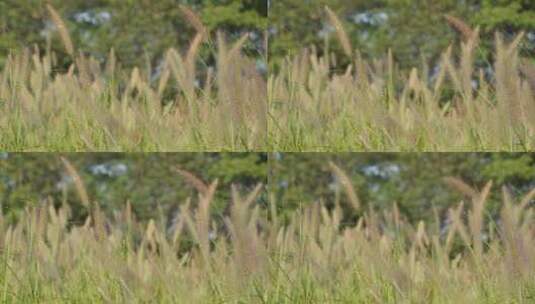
[96, 106]
[250, 255]
[372, 106]
[183, 105]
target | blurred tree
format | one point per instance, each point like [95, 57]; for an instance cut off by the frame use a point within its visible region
[138, 30]
[411, 29]
[506, 15]
[509, 17]
[414, 181]
[111, 179]
[295, 24]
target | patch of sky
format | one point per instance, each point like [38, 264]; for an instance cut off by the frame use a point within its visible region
[334, 185]
[89, 17]
[385, 171]
[362, 18]
[8, 182]
[254, 35]
[261, 66]
[374, 187]
[47, 28]
[94, 18]
[64, 182]
[102, 187]
[369, 18]
[108, 169]
[326, 30]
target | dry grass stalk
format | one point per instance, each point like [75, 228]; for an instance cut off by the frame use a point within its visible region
[340, 31]
[242, 226]
[527, 68]
[455, 215]
[466, 68]
[507, 80]
[111, 63]
[476, 219]
[62, 29]
[78, 183]
[467, 33]
[527, 199]
[459, 185]
[164, 79]
[192, 54]
[253, 194]
[193, 180]
[237, 46]
[347, 184]
[202, 220]
[194, 20]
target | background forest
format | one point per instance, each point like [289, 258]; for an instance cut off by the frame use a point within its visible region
[412, 29]
[150, 182]
[141, 30]
[138, 31]
[418, 183]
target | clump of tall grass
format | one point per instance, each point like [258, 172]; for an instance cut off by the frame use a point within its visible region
[192, 256]
[373, 106]
[318, 256]
[92, 106]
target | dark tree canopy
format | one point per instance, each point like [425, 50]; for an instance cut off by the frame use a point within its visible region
[411, 29]
[134, 28]
[415, 181]
[112, 179]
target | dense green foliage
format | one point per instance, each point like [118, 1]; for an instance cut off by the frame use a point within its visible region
[149, 181]
[414, 181]
[139, 31]
[412, 29]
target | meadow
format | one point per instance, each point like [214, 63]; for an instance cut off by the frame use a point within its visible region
[75, 102]
[464, 103]
[319, 254]
[96, 105]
